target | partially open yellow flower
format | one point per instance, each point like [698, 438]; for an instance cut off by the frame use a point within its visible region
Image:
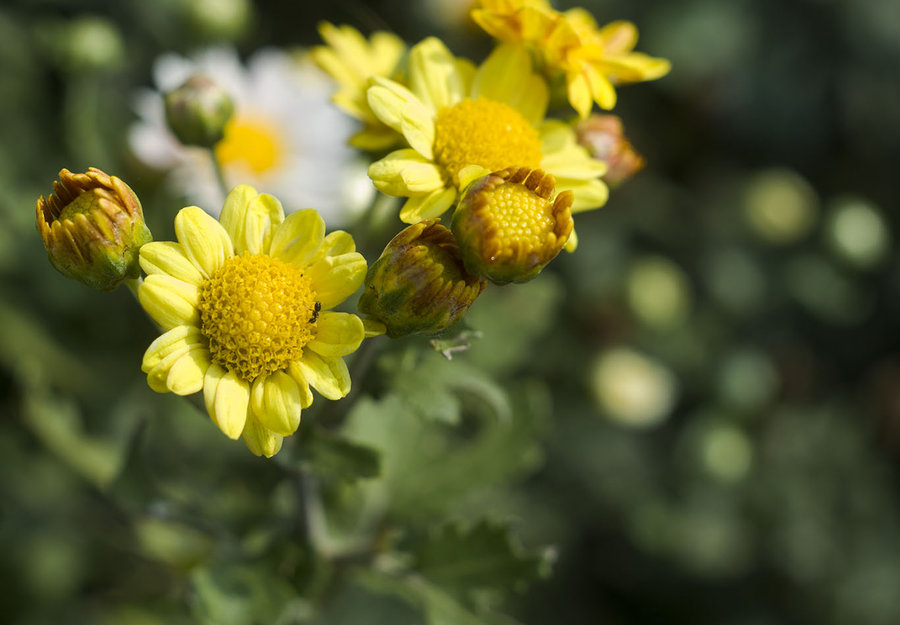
[462, 123]
[352, 60]
[92, 226]
[245, 303]
[509, 225]
[593, 59]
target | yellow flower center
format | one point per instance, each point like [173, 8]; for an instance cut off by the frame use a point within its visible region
[253, 143]
[484, 132]
[85, 204]
[521, 217]
[258, 313]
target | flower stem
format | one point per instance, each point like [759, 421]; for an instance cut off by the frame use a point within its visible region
[134, 284]
[220, 175]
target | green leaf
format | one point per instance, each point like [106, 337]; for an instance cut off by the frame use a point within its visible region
[327, 454]
[242, 594]
[435, 388]
[438, 607]
[428, 468]
[485, 555]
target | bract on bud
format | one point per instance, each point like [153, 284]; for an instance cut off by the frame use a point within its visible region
[198, 111]
[604, 138]
[419, 285]
[508, 225]
[92, 226]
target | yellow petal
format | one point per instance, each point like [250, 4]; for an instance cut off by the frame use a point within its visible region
[205, 241]
[230, 404]
[263, 218]
[405, 172]
[260, 440]
[335, 244]
[471, 173]
[306, 397]
[275, 401]
[299, 237]
[234, 211]
[618, 37]
[250, 219]
[504, 75]
[158, 374]
[337, 334]
[417, 126]
[168, 257]
[179, 337]
[329, 376]
[572, 243]
[579, 94]
[573, 163]
[602, 91]
[432, 74]
[187, 374]
[214, 375]
[169, 301]
[388, 99]
[335, 278]
[589, 194]
[533, 99]
[427, 205]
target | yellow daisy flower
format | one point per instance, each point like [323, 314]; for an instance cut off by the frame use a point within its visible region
[352, 61]
[245, 305]
[461, 123]
[593, 59]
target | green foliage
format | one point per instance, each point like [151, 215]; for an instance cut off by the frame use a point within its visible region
[327, 454]
[482, 556]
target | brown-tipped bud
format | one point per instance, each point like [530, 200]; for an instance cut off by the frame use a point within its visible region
[198, 111]
[92, 226]
[509, 226]
[604, 138]
[419, 285]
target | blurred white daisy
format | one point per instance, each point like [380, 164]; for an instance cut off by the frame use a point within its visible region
[286, 137]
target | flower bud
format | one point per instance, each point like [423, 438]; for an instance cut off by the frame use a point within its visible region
[418, 285]
[604, 138]
[509, 227]
[92, 226]
[198, 111]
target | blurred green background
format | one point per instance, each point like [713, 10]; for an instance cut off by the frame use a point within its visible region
[702, 404]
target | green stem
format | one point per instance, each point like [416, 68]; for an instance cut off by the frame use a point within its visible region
[134, 285]
[220, 175]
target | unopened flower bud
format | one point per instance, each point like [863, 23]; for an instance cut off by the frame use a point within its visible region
[418, 285]
[509, 226]
[92, 226]
[198, 111]
[604, 138]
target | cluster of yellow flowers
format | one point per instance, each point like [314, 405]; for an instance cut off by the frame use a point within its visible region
[245, 303]
[478, 138]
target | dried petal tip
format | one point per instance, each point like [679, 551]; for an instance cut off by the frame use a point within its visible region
[419, 285]
[92, 226]
[198, 111]
[509, 226]
[604, 138]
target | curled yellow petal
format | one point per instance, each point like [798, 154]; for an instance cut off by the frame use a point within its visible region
[169, 301]
[167, 257]
[275, 401]
[260, 440]
[205, 241]
[329, 376]
[337, 334]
